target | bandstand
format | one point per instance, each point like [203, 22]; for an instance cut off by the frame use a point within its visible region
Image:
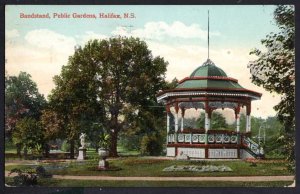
[209, 88]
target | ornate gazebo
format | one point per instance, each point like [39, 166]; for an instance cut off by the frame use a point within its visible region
[209, 88]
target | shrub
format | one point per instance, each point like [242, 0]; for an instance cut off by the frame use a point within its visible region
[151, 145]
[26, 177]
[41, 172]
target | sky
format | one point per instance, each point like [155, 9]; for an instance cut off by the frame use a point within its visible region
[41, 46]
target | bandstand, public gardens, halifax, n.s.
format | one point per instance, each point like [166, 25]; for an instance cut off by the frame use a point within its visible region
[209, 88]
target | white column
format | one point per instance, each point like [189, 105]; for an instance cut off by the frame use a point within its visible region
[238, 123]
[248, 123]
[248, 118]
[168, 123]
[176, 122]
[207, 122]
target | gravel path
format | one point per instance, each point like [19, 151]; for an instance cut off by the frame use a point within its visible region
[244, 179]
[237, 178]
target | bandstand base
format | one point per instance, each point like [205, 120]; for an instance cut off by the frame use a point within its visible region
[208, 152]
[215, 144]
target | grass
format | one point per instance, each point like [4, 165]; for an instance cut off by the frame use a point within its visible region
[10, 147]
[92, 183]
[124, 152]
[11, 152]
[142, 166]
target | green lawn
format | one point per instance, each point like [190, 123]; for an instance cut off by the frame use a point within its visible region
[142, 166]
[11, 152]
[92, 183]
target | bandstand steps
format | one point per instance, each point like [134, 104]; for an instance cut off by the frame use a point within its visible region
[253, 148]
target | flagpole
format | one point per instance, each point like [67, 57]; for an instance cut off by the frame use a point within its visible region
[208, 34]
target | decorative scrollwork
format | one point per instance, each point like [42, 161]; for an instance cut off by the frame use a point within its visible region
[202, 138]
[219, 138]
[195, 138]
[181, 138]
[211, 138]
[187, 138]
[233, 139]
[226, 139]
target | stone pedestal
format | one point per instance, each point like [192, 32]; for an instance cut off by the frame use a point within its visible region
[103, 164]
[81, 154]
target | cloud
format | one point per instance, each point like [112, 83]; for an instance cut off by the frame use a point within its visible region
[43, 55]
[46, 51]
[89, 35]
[41, 64]
[12, 33]
[47, 39]
[160, 30]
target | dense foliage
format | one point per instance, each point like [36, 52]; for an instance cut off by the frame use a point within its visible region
[23, 106]
[105, 83]
[22, 99]
[29, 135]
[274, 69]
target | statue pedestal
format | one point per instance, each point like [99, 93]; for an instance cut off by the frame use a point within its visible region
[81, 154]
[103, 165]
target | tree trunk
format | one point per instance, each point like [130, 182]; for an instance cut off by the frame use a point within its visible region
[72, 149]
[25, 152]
[113, 145]
[46, 150]
[97, 147]
[19, 148]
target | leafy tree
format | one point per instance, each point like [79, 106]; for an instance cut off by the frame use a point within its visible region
[94, 132]
[22, 99]
[29, 134]
[275, 71]
[74, 99]
[146, 131]
[273, 130]
[52, 123]
[103, 82]
[53, 127]
[171, 85]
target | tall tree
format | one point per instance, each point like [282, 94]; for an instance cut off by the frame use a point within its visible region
[115, 75]
[146, 130]
[75, 100]
[22, 99]
[275, 71]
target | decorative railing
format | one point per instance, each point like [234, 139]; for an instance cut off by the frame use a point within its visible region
[253, 147]
[220, 138]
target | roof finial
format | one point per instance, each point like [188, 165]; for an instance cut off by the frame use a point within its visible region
[208, 34]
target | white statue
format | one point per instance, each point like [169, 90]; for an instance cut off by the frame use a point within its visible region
[82, 140]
